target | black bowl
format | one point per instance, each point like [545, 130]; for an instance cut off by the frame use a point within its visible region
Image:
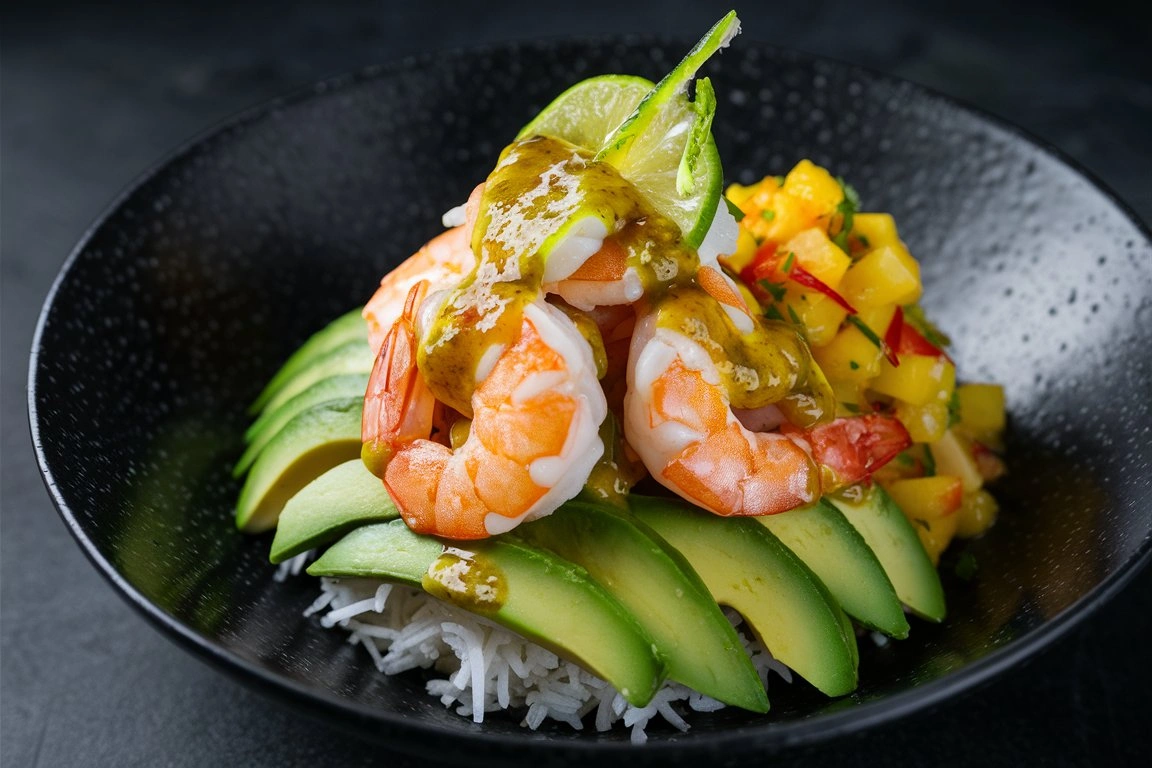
[183, 299]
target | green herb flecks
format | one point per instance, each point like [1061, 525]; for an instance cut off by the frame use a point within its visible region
[776, 290]
[929, 462]
[966, 566]
[954, 409]
[914, 316]
[846, 211]
[868, 332]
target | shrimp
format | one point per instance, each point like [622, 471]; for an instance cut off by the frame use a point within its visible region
[531, 444]
[591, 268]
[679, 417]
[443, 261]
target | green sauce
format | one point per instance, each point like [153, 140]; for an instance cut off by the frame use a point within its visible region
[758, 368]
[467, 579]
[540, 187]
[538, 190]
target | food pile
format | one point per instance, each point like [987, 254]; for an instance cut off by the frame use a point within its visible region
[612, 398]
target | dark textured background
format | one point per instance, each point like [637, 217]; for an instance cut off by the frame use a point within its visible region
[92, 97]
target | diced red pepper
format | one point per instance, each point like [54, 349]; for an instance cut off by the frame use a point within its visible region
[911, 342]
[893, 334]
[805, 278]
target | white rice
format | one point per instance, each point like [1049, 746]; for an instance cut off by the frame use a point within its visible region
[486, 668]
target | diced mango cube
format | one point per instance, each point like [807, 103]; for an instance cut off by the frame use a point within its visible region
[954, 457]
[745, 252]
[884, 275]
[982, 411]
[925, 423]
[875, 230]
[849, 356]
[877, 318]
[819, 191]
[818, 255]
[930, 503]
[919, 379]
[739, 194]
[928, 498]
[821, 315]
[776, 218]
[976, 514]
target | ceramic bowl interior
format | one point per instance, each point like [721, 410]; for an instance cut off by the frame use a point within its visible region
[185, 297]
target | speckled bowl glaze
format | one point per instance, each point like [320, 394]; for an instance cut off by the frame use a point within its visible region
[203, 277]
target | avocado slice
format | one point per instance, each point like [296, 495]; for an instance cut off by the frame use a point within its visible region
[892, 538]
[311, 443]
[747, 568]
[345, 497]
[659, 587]
[271, 422]
[530, 591]
[345, 328]
[354, 356]
[828, 544]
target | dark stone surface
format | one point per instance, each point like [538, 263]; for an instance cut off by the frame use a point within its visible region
[92, 98]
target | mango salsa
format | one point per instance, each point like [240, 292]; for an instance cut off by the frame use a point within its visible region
[849, 356]
[875, 230]
[977, 513]
[982, 411]
[816, 253]
[850, 285]
[918, 380]
[815, 187]
[883, 276]
[821, 315]
[931, 504]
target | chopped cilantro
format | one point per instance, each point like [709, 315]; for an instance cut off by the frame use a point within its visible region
[847, 210]
[793, 316]
[776, 289]
[734, 210]
[954, 408]
[863, 241]
[905, 460]
[854, 365]
[914, 316]
[850, 407]
[966, 566]
[929, 462]
[768, 214]
[864, 329]
[788, 261]
[772, 313]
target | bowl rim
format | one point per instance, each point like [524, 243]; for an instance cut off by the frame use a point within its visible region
[769, 735]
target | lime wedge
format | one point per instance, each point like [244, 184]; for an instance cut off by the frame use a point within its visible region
[658, 139]
[588, 112]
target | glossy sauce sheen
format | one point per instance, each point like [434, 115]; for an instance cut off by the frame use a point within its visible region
[467, 579]
[539, 187]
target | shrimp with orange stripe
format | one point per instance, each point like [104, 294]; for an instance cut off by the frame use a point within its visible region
[703, 406]
[530, 444]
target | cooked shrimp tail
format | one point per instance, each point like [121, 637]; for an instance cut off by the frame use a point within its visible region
[398, 408]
